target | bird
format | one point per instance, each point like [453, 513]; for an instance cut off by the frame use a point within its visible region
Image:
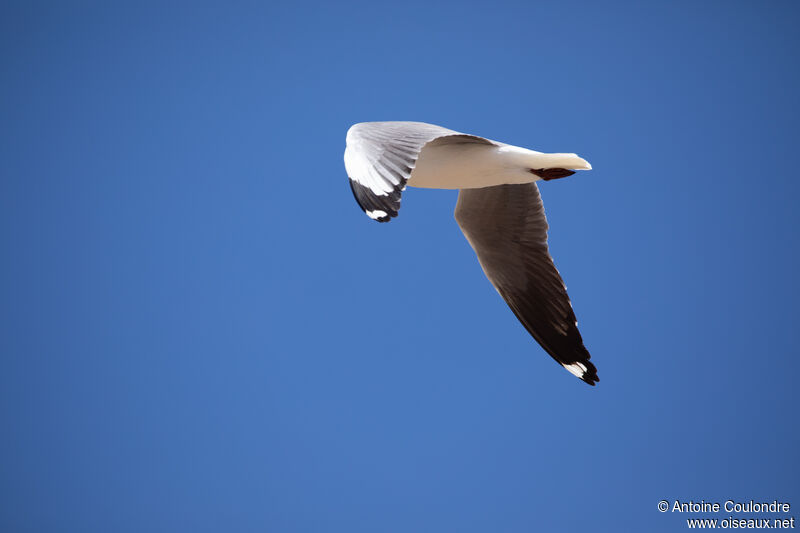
[499, 210]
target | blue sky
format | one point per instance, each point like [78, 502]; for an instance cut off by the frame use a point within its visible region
[201, 331]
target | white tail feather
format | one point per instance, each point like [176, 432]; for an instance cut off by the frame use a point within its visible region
[532, 159]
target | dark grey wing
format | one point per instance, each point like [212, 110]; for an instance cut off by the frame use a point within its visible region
[380, 157]
[507, 228]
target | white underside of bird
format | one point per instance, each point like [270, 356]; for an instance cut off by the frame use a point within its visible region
[471, 166]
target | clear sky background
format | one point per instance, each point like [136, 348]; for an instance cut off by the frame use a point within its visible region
[201, 331]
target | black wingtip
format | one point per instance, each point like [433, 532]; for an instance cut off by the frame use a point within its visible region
[548, 174]
[583, 370]
[376, 207]
[590, 376]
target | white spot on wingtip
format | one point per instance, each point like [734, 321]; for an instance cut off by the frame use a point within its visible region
[576, 369]
[375, 215]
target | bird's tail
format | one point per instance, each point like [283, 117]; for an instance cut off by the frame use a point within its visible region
[544, 166]
[569, 161]
[554, 166]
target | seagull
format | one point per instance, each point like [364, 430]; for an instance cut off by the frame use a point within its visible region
[499, 210]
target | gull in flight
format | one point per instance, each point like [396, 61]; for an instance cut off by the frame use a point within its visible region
[499, 210]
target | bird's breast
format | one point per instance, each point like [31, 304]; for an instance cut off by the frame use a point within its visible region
[467, 166]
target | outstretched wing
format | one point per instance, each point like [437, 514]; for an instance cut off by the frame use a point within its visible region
[380, 157]
[507, 228]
